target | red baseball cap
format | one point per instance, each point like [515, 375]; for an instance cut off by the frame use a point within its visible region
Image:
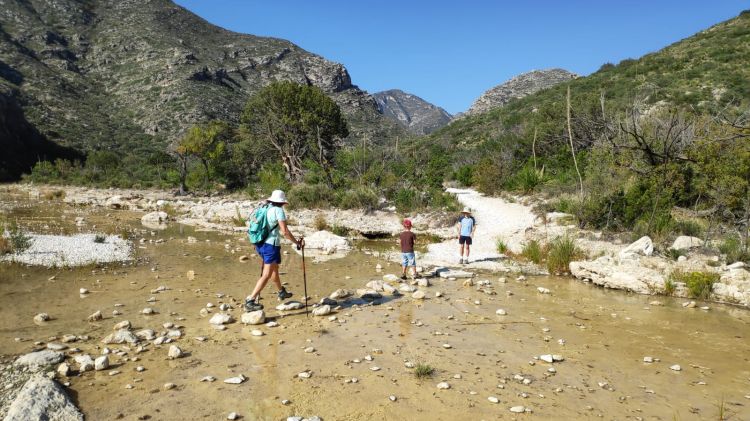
[407, 223]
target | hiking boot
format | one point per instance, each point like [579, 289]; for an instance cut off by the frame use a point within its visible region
[403, 277]
[284, 294]
[253, 305]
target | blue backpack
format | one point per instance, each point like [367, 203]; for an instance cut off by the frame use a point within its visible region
[259, 228]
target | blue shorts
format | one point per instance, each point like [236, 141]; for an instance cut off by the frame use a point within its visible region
[464, 239]
[269, 253]
[408, 259]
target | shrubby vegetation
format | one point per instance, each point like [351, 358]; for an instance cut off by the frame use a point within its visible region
[290, 137]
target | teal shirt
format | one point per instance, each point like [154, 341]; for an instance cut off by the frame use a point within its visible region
[274, 215]
[467, 225]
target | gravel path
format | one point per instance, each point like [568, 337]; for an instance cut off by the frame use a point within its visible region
[70, 251]
[496, 218]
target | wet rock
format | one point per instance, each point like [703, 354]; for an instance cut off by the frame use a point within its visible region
[155, 220]
[323, 310]
[120, 337]
[95, 317]
[340, 294]
[656, 303]
[443, 386]
[542, 290]
[369, 294]
[418, 295]
[85, 362]
[406, 288]
[641, 247]
[423, 282]
[101, 363]
[325, 301]
[35, 361]
[221, 319]
[146, 334]
[290, 305]
[253, 317]
[390, 289]
[689, 304]
[175, 352]
[125, 324]
[42, 399]
[41, 318]
[390, 278]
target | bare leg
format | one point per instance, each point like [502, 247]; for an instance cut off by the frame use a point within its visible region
[263, 280]
[461, 251]
[276, 279]
[468, 250]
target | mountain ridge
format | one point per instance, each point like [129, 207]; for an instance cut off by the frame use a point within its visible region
[412, 112]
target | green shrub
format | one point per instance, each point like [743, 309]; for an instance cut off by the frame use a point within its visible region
[422, 371]
[675, 254]
[533, 252]
[358, 198]
[502, 248]
[733, 249]
[99, 238]
[528, 179]
[688, 227]
[238, 220]
[465, 175]
[310, 196]
[272, 177]
[562, 251]
[19, 241]
[340, 230]
[669, 286]
[699, 284]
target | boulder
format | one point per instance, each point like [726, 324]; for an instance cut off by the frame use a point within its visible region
[155, 220]
[327, 242]
[253, 317]
[390, 278]
[323, 310]
[290, 305]
[39, 360]
[375, 285]
[327, 301]
[146, 334]
[418, 295]
[101, 363]
[685, 242]
[221, 319]
[85, 362]
[389, 288]
[628, 276]
[175, 352]
[340, 294]
[369, 294]
[125, 324]
[449, 273]
[407, 288]
[42, 399]
[120, 337]
[641, 247]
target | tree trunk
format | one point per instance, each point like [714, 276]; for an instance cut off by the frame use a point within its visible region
[572, 149]
[183, 174]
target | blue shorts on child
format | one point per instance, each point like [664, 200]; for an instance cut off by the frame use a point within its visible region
[269, 253]
[408, 259]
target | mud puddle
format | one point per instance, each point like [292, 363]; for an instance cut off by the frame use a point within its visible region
[602, 335]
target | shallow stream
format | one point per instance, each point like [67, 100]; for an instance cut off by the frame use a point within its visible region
[603, 336]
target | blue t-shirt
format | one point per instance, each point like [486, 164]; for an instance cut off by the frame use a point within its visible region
[467, 225]
[274, 215]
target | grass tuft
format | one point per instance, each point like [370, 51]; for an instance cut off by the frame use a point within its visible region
[502, 248]
[99, 238]
[423, 371]
[562, 251]
[533, 251]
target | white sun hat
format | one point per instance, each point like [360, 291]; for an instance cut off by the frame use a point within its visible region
[278, 196]
[466, 210]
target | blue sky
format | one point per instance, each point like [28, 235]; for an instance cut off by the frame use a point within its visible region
[449, 52]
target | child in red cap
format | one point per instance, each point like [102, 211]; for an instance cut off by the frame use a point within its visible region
[407, 239]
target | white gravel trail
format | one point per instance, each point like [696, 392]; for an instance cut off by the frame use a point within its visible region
[496, 218]
[70, 251]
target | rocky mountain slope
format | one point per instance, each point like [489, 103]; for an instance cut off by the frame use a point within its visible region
[705, 72]
[519, 87]
[131, 75]
[414, 113]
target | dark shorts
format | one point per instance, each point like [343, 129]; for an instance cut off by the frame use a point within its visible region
[269, 253]
[464, 239]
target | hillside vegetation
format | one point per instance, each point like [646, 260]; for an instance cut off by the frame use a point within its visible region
[667, 131]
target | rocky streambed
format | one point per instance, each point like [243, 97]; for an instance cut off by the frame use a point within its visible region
[163, 335]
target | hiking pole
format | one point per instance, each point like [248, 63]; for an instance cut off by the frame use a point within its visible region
[304, 279]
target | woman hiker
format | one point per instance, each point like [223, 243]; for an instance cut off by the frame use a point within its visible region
[466, 227]
[270, 250]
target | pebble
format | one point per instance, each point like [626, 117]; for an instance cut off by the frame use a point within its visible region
[41, 317]
[219, 319]
[518, 409]
[392, 398]
[256, 332]
[101, 363]
[209, 379]
[675, 367]
[542, 290]
[175, 352]
[648, 359]
[83, 291]
[375, 368]
[234, 380]
[233, 416]
[501, 312]
[169, 386]
[304, 374]
[286, 402]
[443, 385]
[148, 311]
[447, 346]
[309, 350]
[140, 369]
[493, 399]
